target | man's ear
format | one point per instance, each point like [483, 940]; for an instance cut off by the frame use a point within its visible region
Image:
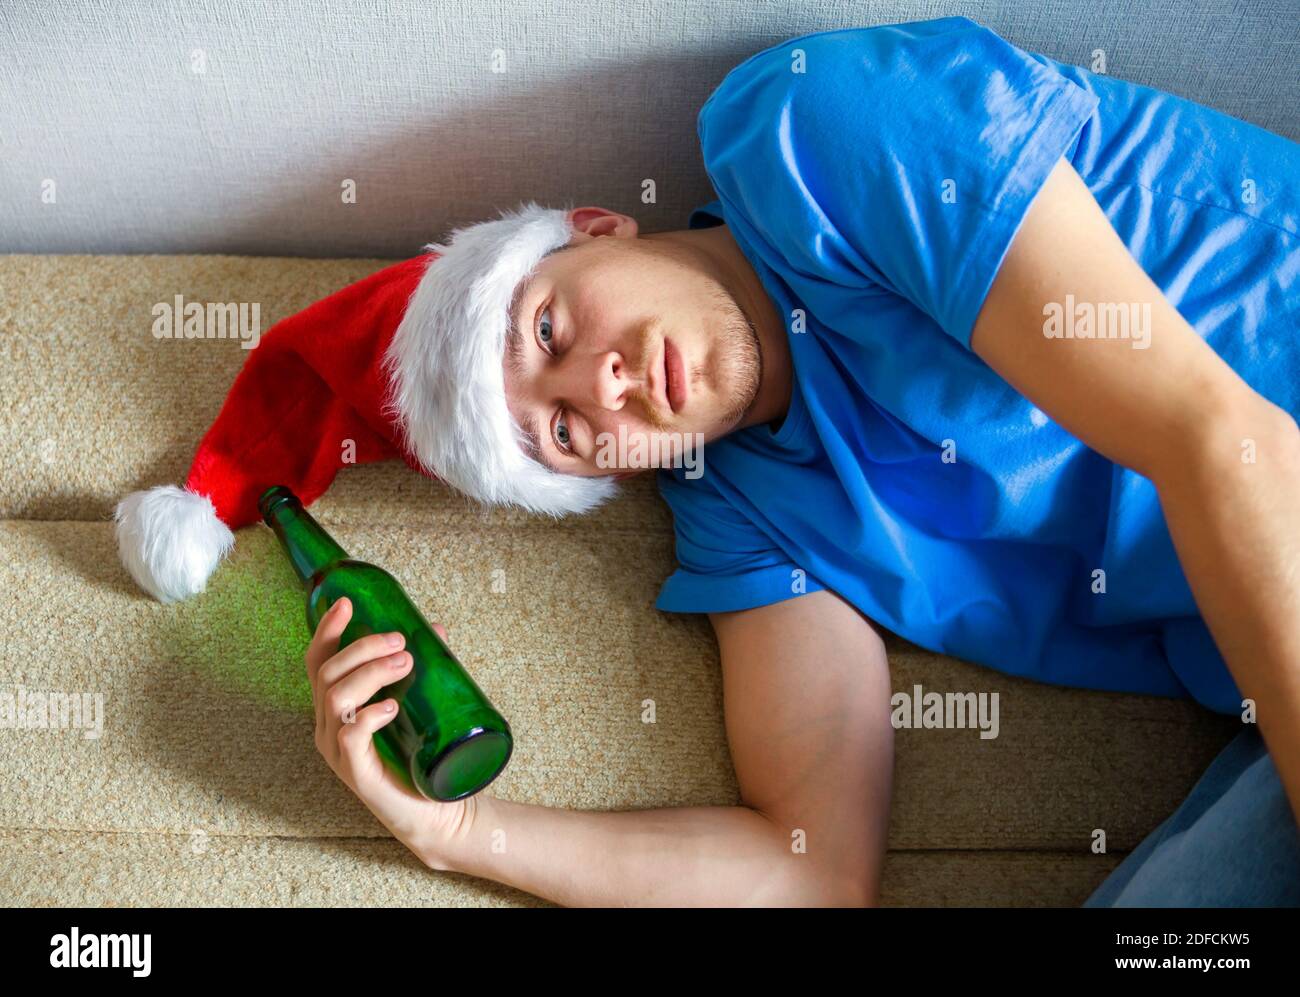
[592, 222]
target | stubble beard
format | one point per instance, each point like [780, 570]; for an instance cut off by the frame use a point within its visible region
[739, 360]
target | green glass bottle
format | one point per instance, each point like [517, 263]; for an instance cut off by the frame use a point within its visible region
[447, 740]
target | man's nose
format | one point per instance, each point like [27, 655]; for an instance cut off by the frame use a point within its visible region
[606, 379]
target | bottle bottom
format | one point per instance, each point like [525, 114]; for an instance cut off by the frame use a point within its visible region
[468, 765]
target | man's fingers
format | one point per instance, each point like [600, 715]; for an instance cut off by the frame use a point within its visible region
[357, 653]
[354, 737]
[442, 631]
[346, 697]
[326, 639]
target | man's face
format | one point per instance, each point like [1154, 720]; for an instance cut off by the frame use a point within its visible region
[619, 331]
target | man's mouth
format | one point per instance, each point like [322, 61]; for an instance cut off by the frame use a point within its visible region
[674, 377]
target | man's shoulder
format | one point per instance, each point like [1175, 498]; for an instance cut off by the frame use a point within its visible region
[804, 58]
[784, 128]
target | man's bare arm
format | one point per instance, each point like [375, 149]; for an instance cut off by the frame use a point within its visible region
[806, 689]
[1177, 414]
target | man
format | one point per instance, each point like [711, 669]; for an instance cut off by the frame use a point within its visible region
[982, 348]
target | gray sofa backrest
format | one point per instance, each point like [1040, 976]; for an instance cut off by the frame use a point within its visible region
[235, 126]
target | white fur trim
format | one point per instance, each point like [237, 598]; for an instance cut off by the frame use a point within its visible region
[446, 367]
[171, 541]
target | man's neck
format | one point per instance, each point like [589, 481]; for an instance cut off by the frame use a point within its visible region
[716, 249]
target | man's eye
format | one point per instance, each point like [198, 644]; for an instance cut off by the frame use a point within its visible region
[545, 333]
[562, 435]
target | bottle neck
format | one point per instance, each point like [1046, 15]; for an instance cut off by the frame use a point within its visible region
[310, 548]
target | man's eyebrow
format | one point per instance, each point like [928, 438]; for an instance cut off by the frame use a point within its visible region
[534, 447]
[533, 444]
[514, 333]
[514, 356]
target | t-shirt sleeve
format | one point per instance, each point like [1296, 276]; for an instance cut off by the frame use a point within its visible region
[904, 156]
[725, 562]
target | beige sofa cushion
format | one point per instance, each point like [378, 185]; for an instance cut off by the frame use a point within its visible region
[205, 786]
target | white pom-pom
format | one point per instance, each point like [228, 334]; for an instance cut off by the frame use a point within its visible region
[171, 541]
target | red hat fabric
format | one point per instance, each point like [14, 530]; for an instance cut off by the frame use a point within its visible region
[404, 364]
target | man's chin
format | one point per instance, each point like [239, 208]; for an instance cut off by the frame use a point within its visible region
[735, 419]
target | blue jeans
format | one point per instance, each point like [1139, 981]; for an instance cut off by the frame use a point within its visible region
[1232, 843]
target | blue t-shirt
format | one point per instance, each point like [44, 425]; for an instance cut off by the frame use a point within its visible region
[876, 193]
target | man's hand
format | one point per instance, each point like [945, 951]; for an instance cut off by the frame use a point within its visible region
[342, 682]
[807, 702]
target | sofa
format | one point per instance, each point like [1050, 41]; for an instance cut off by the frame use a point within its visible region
[200, 784]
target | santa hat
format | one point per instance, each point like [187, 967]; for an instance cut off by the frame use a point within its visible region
[406, 363]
